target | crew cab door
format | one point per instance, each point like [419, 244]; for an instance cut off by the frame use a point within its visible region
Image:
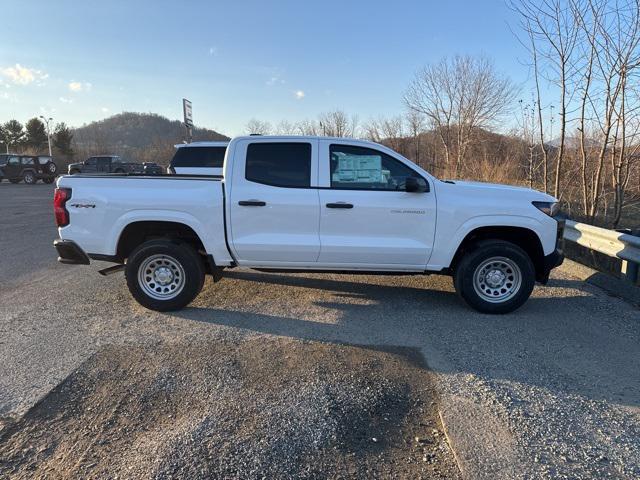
[90, 165]
[367, 218]
[273, 210]
[103, 165]
[13, 168]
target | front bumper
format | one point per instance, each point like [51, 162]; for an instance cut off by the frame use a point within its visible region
[69, 252]
[555, 258]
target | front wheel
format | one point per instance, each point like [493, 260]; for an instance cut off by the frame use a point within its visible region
[495, 277]
[163, 275]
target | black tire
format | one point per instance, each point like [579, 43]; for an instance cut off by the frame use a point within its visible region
[52, 168]
[49, 180]
[118, 170]
[30, 178]
[511, 263]
[176, 256]
[15, 180]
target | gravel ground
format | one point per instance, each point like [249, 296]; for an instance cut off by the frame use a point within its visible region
[259, 408]
[551, 391]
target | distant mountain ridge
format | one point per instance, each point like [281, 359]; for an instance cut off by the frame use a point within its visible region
[137, 130]
[139, 137]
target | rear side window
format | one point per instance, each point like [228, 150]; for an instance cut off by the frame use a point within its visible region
[279, 164]
[27, 161]
[212, 157]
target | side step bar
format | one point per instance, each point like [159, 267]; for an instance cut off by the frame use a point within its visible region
[109, 270]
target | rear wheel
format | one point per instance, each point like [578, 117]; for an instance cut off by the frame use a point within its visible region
[163, 275]
[495, 277]
[29, 178]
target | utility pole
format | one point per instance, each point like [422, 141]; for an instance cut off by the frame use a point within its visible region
[46, 121]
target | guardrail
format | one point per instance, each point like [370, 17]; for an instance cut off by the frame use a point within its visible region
[609, 242]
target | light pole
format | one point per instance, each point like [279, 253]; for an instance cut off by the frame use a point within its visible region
[46, 121]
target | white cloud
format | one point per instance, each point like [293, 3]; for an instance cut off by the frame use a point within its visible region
[9, 97]
[299, 94]
[66, 100]
[104, 110]
[79, 87]
[23, 75]
[275, 79]
[213, 51]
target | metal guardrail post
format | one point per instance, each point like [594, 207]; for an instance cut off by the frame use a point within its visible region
[629, 270]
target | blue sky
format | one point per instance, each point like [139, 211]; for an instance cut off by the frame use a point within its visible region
[79, 61]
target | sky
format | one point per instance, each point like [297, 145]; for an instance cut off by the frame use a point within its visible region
[80, 61]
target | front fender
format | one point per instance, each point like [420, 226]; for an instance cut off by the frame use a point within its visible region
[443, 255]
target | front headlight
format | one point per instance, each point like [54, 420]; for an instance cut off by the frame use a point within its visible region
[550, 208]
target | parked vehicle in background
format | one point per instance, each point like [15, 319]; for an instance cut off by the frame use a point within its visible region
[310, 204]
[152, 168]
[198, 158]
[29, 168]
[105, 164]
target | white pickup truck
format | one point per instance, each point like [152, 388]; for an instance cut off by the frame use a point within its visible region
[309, 204]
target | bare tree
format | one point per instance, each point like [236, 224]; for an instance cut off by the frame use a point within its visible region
[552, 29]
[416, 126]
[337, 124]
[258, 127]
[459, 96]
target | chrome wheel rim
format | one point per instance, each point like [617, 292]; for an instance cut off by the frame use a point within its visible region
[161, 277]
[497, 279]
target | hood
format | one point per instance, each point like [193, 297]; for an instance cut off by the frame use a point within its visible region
[482, 186]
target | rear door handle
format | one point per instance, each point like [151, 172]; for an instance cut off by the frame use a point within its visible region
[252, 203]
[339, 205]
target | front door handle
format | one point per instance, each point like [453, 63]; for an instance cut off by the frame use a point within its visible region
[339, 205]
[252, 203]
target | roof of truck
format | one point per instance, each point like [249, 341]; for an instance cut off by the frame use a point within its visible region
[203, 144]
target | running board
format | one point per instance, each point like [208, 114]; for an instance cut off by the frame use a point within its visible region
[110, 270]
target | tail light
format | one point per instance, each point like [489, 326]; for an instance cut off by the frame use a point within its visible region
[60, 197]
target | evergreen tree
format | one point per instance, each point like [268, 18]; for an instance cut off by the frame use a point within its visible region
[36, 135]
[13, 134]
[62, 139]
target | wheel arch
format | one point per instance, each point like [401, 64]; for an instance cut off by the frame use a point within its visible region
[523, 237]
[140, 231]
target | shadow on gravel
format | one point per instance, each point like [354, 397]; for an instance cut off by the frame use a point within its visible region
[258, 408]
[557, 343]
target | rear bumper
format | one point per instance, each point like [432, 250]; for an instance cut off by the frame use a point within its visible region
[69, 252]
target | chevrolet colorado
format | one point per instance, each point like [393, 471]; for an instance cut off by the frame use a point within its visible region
[309, 204]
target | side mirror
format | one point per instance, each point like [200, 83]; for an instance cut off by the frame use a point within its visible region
[416, 185]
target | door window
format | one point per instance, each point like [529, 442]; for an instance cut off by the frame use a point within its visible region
[279, 164]
[360, 168]
[14, 161]
[27, 161]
